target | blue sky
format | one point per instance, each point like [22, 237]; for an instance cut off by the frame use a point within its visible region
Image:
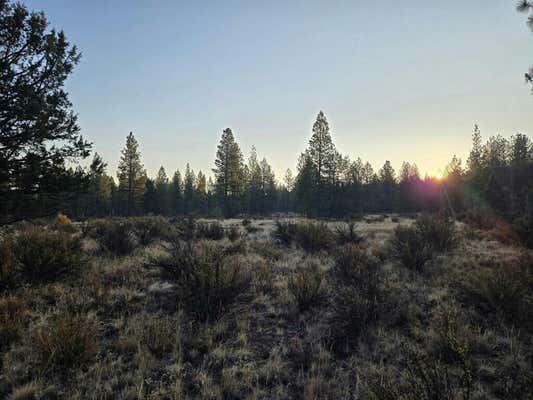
[397, 80]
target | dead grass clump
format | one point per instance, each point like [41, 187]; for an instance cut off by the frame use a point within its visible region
[209, 279]
[43, 255]
[426, 378]
[154, 333]
[306, 284]
[65, 342]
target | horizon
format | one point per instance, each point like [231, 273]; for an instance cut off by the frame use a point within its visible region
[186, 72]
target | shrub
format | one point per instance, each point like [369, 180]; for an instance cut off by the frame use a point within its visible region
[7, 263]
[43, 255]
[415, 245]
[504, 290]
[209, 279]
[523, 226]
[409, 249]
[13, 313]
[114, 235]
[209, 231]
[358, 299]
[347, 234]
[306, 284]
[66, 341]
[314, 237]
[437, 231]
[234, 233]
[149, 228]
[426, 378]
[285, 232]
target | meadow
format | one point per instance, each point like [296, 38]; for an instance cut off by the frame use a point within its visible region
[374, 307]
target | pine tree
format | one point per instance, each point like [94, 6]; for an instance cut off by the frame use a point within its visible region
[268, 186]
[131, 175]
[176, 194]
[306, 184]
[475, 159]
[188, 190]
[149, 197]
[201, 193]
[255, 183]
[321, 147]
[39, 133]
[100, 188]
[229, 173]
[162, 191]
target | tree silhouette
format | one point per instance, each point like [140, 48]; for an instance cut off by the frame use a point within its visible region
[38, 129]
[131, 175]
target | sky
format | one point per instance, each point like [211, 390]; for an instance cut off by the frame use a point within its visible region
[397, 80]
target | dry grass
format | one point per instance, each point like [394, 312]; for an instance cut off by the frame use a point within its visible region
[259, 320]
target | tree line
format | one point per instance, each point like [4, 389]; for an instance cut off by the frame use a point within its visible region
[498, 174]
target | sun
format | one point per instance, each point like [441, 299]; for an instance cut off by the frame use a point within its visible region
[439, 176]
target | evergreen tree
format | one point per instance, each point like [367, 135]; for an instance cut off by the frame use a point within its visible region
[201, 194]
[255, 192]
[163, 192]
[149, 197]
[131, 175]
[306, 184]
[188, 190]
[475, 159]
[100, 188]
[229, 174]
[39, 133]
[176, 194]
[268, 187]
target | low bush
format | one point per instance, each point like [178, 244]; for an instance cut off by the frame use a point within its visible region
[504, 290]
[437, 231]
[306, 284]
[13, 312]
[314, 237]
[65, 342]
[234, 233]
[347, 234]
[284, 233]
[150, 228]
[415, 245]
[42, 255]
[7, 263]
[209, 278]
[523, 227]
[409, 249]
[114, 235]
[209, 231]
[357, 297]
